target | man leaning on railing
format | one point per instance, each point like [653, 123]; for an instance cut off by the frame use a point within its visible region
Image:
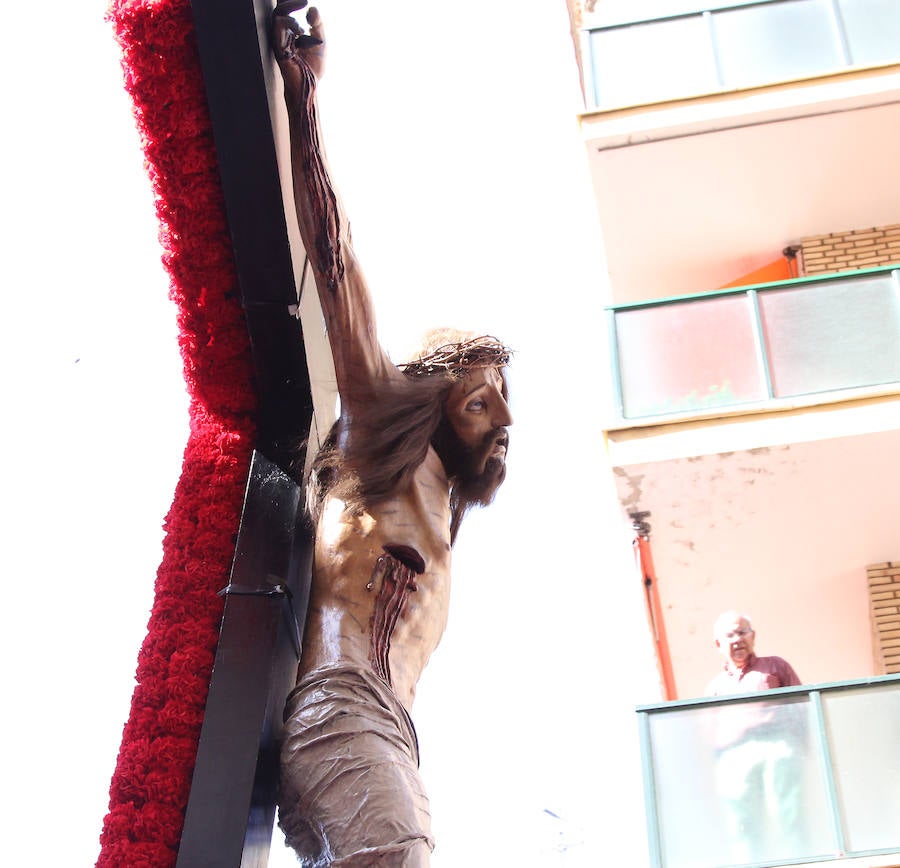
[758, 751]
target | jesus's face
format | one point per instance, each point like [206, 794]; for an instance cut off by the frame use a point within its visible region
[477, 414]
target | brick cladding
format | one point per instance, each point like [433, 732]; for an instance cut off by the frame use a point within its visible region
[847, 251]
[884, 600]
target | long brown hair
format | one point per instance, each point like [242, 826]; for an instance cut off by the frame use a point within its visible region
[368, 457]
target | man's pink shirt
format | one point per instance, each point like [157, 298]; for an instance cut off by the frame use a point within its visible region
[760, 673]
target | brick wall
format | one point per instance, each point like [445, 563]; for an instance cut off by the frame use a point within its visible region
[884, 599]
[845, 251]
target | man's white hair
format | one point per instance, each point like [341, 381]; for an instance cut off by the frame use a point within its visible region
[727, 618]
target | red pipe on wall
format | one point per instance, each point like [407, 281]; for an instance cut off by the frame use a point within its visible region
[644, 559]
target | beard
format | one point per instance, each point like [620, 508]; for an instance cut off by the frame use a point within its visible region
[473, 472]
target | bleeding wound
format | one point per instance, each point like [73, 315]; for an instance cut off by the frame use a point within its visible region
[397, 580]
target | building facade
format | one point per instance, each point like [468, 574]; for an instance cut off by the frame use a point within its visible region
[743, 159]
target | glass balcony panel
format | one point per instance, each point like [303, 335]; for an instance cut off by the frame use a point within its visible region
[649, 62]
[687, 356]
[776, 41]
[873, 30]
[865, 753]
[739, 784]
[611, 12]
[835, 335]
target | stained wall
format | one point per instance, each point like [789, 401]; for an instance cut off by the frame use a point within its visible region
[782, 532]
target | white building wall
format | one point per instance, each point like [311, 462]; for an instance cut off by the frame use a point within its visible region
[783, 532]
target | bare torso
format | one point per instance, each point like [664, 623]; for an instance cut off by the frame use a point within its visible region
[343, 624]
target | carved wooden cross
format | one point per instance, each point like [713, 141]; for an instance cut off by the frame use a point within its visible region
[232, 803]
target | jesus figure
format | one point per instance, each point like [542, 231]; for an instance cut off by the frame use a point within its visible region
[414, 447]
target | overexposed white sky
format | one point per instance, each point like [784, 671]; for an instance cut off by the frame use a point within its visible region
[95, 424]
[452, 136]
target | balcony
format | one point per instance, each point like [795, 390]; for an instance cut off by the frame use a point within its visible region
[690, 48]
[771, 346]
[806, 774]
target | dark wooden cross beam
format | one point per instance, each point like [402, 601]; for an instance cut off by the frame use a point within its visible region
[232, 801]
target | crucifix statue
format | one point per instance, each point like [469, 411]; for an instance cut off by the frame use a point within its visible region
[415, 446]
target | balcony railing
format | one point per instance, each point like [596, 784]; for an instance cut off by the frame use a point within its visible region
[694, 48]
[760, 347]
[791, 776]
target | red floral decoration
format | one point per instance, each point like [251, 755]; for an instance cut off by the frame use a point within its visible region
[152, 779]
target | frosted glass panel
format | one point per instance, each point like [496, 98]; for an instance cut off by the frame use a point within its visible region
[864, 732]
[776, 41]
[739, 783]
[688, 356]
[648, 62]
[833, 335]
[608, 12]
[755, 44]
[873, 30]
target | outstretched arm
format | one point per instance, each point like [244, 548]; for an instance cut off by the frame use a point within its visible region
[359, 361]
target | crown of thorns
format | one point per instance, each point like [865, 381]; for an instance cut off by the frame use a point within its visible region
[481, 352]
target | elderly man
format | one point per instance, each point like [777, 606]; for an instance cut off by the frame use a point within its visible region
[759, 748]
[743, 671]
[414, 447]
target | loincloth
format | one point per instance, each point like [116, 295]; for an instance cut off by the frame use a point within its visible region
[351, 794]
